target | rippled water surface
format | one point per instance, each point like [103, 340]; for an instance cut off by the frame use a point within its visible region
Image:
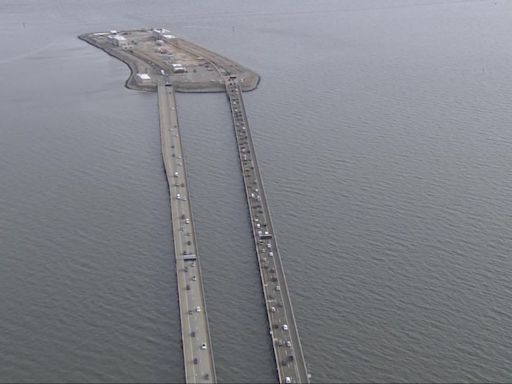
[382, 128]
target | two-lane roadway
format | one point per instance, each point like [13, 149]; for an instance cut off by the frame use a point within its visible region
[197, 348]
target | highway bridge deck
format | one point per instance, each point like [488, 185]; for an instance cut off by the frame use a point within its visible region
[291, 366]
[145, 55]
[197, 348]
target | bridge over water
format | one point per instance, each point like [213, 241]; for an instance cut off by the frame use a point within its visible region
[291, 366]
[195, 332]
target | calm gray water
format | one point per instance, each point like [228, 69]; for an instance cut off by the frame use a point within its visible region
[383, 129]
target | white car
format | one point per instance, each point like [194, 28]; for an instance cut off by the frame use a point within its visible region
[198, 309]
[203, 346]
[285, 327]
[287, 380]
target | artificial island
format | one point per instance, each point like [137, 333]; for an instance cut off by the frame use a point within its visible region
[151, 53]
[159, 61]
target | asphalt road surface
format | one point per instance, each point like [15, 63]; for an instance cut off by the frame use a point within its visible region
[197, 349]
[288, 353]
